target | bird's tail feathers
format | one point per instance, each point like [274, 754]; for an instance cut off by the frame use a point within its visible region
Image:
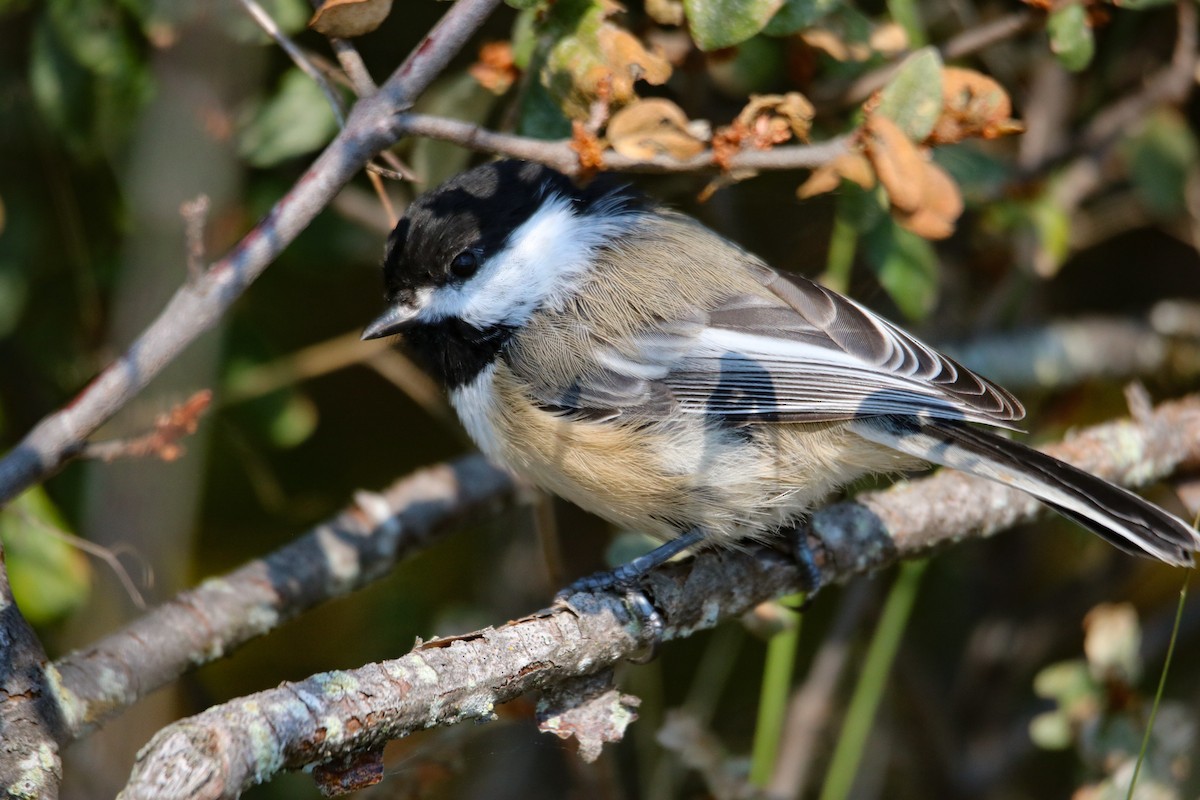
[1116, 514]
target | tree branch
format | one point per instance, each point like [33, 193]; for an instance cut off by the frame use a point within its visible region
[198, 304]
[354, 548]
[30, 720]
[1066, 352]
[558, 153]
[330, 716]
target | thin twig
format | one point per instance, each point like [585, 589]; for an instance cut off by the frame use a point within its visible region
[558, 153]
[163, 441]
[353, 65]
[334, 715]
[264, 21]
[195, 219]
[109, 555]
[331, 355]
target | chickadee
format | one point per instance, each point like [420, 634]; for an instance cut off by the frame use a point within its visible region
[634, 362]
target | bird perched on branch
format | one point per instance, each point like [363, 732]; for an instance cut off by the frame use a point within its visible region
[631, 360]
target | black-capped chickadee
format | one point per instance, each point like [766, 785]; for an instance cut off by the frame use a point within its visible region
[634, 362]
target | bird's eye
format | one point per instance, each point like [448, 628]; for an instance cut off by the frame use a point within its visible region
[465, 264]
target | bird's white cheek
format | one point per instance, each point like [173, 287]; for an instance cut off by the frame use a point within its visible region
[475, 403]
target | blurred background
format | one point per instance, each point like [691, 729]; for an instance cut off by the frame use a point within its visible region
[114, 114]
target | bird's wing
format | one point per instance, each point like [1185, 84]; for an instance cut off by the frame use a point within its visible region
[801, 353]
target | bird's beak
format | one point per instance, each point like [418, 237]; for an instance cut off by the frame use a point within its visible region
[392, 321]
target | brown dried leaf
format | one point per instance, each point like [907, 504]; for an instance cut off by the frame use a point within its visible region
[589, 149]
[346, 19]
[898, 164]
[972, 105]
[600, 59]
[853, 167]
[495, 70]
[651, 127]
[629, 61]
[940, 207]
[726, 143]
[767, 120]
[774, 115]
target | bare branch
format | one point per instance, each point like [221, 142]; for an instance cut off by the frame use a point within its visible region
[558, 153]
[330, 716]
[342, 554]
[163, 441]
[31, 723]
[1067, 352]
[198, 305]
[264, 21]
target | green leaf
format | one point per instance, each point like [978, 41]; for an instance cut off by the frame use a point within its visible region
[1051, 730]
[723, 23]
[755, 67]
[913, 98]
[295, 421]
[93, 32]
[1053, 227]
[524, 39]
[1071, 37]
[1065, 682]
[980, 174]
[297, 120]
[906, 266]
[49, 577]
[87, 84]
[796, 15]
[1162, 156]
[541, 117]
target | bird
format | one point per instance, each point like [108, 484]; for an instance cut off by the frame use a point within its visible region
[631, 360]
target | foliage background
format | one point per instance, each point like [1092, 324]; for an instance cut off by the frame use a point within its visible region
[114, 113]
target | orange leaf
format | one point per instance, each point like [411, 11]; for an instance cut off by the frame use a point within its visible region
[972, 105]
[585, 143]
[896, 160]
[940, 207]
[495, 69]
